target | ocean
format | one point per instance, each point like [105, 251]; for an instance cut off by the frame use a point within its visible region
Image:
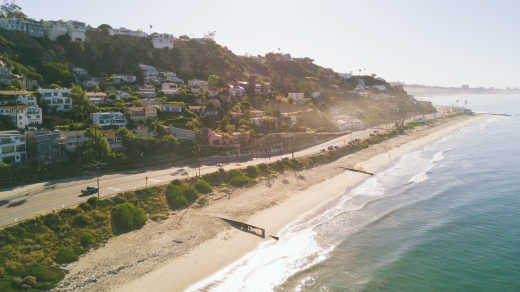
[445, 217]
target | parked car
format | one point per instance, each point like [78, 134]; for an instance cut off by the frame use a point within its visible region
[88, 191]
[322, 150]
[285, 158]
[330, 147]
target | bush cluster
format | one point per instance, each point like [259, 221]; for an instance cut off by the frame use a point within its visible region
[180, 195]
[203, 187]
[127, 217]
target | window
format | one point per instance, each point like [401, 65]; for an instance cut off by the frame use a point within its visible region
[8, 149]
[20, 148]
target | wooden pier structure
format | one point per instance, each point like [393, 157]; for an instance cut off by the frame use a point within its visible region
[357, 170]
[258, 231]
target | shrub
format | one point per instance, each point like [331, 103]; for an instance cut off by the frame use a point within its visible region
[175, 197]
[127, 217]
[85, 207]
[93, 202]
[252, 171]
[264, 168]
[237, 178]
[46, 274]
[86, 239]
[203, 202]
[51, 220]
[180, 195]
[203, 187]
[81, 221]
[66, 255]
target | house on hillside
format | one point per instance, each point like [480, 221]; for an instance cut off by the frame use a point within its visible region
[73, 139]
[121, 78]
[17, 97]
[97, 98]
[297, 97]
[114, 140]
[31, 27]
[181, 134]
[141, 113]
[22, 115]
[171, 107]
[13, 148]
[57, 98]
[127, 32]
[108, 119]
[163, 41]
[46, 146]
[150, 74]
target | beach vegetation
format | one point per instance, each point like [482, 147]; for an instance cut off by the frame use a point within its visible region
[203, 186]
[127, 217]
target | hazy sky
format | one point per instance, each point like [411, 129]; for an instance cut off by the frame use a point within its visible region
[442, 42]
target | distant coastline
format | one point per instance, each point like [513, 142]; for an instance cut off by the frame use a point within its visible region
[424, 90]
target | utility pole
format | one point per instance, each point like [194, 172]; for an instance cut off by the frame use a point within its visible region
[146, 184]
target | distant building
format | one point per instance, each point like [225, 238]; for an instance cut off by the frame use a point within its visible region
[97, 98]
[22, 115]
[171, 107]
[181, 134]
[73, 139]
[45, 146]
[316, 94]
[59, 99]
[378, 87]
[162, 41]
[127, 32]
[12, 146]
[114, 140]
[196, 85]
[296, 97]
[17, 97]
[141, 113]
[149, 72]
[74, 29]
[31, 27]
[147, 92]
[119, 78]
[150, 102]
[108, 119]
[344, 122]
[171, 77]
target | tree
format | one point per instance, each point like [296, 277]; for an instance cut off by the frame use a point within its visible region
[11, 10]
[81, 107]
[57, 73]
[96, 148]
[127, 217]
[215, 82]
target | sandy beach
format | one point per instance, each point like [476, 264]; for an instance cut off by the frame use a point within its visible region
[193, 244]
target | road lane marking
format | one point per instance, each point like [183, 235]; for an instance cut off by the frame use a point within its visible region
[154, 180]
[114, 189]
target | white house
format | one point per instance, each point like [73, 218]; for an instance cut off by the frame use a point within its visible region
[171, 77]
[31, 27]
[162, 41]
[12, 146]
[149, 72]
[118, 78]
[296, 96]
[128, 32]
[122, 94]
[97, 98]
[105, 119]
[171, 107]
[58, 98]
[73, 139]
[13, 97]
[344, 122]
[22, 115]
[75, 29]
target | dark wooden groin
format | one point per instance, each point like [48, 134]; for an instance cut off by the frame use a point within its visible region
[356, 170]
[258, 231]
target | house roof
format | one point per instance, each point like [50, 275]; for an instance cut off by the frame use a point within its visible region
[96, 94]
[14, 92]
[17, 107]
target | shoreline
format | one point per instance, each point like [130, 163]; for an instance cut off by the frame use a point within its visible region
[152, 258]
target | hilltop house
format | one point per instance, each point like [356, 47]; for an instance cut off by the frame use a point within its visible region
[14, 97]
[12, 147]
[162, 41]
[59, 99]
[45, 146]
[127, 32]
[74, 29]
[31, 27]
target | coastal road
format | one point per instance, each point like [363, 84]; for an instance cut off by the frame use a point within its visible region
[47, 196]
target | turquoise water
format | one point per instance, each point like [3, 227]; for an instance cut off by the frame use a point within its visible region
[445, 217]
